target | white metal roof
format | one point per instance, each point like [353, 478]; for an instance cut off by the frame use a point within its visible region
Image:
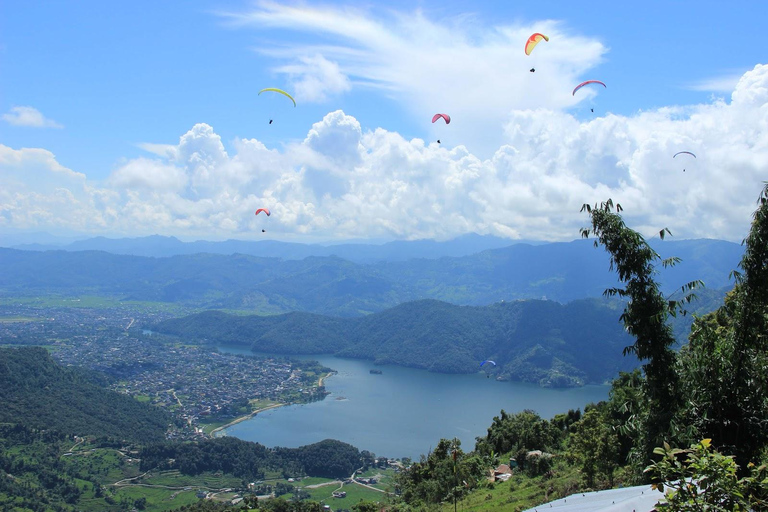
[626, 499]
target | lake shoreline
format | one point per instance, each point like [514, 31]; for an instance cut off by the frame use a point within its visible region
[404, 411]
[243, 418]
[250, 415]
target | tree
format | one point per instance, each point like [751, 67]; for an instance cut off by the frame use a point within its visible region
[626, 407]
[724, 367]
[596, 446]
[707, 480]
[365, 506]
[645, 316]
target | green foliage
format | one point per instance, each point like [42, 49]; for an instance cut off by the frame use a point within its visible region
[38, 392]
[447, 473]
[645, 316]
[250, 461]
[626, 408]
[595, 445]
[524, 431]
[724, 368]
[701, 478]
[32, 476]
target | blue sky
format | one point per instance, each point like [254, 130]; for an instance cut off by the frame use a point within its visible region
[92, 86]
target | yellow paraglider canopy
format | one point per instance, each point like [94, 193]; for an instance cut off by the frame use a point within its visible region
[533, 41]
[272, 89]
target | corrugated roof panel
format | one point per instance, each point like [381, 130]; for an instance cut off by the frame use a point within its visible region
[640, 498]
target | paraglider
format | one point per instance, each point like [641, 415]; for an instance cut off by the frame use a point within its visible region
[532, 41]
[445, 118]
[683, 153]
[487, 375]
[582, 84]
[279, 91]
[532, 70]
[265, 210]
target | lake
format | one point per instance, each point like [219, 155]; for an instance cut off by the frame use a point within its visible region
[404, 411]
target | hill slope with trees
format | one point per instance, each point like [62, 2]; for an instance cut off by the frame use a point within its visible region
[543, 342]
[39, 393]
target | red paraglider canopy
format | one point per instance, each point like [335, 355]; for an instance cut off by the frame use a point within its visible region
[444, 116]
[582, 84]
[265, 210]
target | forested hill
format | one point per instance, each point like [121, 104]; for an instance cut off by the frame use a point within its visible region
[35, 391]
[537, 341]
[334, 286]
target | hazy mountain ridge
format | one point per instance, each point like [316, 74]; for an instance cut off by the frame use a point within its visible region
[334, 286]
[543, 342]
[358, 252]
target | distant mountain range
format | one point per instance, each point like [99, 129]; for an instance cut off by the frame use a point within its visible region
[165, 246]
[335, 286]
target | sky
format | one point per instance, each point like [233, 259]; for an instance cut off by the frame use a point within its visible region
[127, 119]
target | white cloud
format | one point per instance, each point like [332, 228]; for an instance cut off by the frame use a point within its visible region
[164, 150]
[29, 116]
[142, 173]
[342, 181]
[38, 192]
[315, 78]
[476, 73]
[719, 84]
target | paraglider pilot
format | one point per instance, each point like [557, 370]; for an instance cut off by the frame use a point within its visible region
[270, 121]
[533, 70]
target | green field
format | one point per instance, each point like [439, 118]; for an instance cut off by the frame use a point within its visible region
[174, 478]
[111, 302]
[355, 493]
[157, 499]
[519, 492]
[16, 319]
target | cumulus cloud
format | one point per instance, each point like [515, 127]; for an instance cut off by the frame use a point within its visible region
[29, 116]
[342, 181]
[36, 191]
[142, 173]
[428, 64]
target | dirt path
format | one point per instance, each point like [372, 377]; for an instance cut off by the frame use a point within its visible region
[317, 486]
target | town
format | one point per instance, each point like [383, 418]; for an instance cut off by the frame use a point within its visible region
[195, 382]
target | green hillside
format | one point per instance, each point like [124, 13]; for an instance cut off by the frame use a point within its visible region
[537, 341]
[38, 393]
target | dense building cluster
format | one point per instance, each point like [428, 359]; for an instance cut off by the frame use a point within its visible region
[193, 381]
